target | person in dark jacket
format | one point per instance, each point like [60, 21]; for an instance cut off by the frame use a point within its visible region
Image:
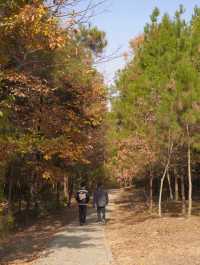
[82, 197]
[100, 200]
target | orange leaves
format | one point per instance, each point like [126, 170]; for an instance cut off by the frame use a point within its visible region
[137, 42]
[35, 28]
[58, 99]
[133, 154]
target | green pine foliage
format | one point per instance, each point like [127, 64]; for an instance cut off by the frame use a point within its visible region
[158, 91]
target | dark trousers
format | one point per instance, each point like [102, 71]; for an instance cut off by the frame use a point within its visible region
[82, 213]
[101, 213]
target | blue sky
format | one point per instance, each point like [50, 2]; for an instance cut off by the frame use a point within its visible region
[123, 20]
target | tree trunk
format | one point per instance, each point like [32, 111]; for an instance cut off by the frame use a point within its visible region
[125, 183]
[28, 204]
[183, 195]
[10, 194]
[151, 193]
[58, 193]
[20, 205]
[176, 188]
[160, 193]
[163, 178]
[20, 199]
[189, 174]
[65, 187]
[20, 202]
[170, 187]
[70, 191]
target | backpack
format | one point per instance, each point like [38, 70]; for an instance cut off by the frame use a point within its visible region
[101, 198]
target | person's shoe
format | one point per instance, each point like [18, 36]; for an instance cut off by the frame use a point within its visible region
[103, 221]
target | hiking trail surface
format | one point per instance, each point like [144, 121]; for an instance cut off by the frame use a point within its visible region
[79, 245]
[67, 244]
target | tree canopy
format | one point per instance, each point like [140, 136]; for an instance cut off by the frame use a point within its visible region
[158, 96]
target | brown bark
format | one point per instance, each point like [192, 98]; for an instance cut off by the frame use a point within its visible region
[70, 191]
[58, 193]
[150, 192]
[189, 174]
[10, 194]
[20, 205]
[176, 188]
[65, 187]
[170, 187]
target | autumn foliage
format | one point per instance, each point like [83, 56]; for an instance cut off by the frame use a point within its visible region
[52, 101]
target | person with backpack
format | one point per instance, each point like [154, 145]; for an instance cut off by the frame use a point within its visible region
[100, 200]
[82, 197]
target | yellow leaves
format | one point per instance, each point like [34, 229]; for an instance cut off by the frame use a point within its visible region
[46, 175]
[47, 157]
[56, 42]
[30, 13]
[90, 71]
[35, 27]
[95, 122]
[58, 121]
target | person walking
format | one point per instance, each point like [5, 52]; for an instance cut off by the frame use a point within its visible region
[100, 200]
[82, 197]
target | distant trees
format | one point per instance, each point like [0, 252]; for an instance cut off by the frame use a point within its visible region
[158, 101]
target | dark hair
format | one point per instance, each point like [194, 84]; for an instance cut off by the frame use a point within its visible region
[99, 185]
[83, 184]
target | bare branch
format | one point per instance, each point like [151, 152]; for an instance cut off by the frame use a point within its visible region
[107, 58]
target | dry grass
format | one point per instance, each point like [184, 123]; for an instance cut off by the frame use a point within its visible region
[136, 238]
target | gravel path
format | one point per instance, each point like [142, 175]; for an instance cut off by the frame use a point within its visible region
[78, 245]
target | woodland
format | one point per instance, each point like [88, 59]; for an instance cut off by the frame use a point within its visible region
[155, 111]
[53, 104]
[56, 129]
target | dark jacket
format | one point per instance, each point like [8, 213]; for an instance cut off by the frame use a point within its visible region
[82, 197]
[100, 198]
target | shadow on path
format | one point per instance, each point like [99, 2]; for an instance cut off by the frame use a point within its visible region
[47, 235]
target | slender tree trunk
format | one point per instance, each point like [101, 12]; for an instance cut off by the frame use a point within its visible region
[125, 183]
[189, 174]
[176, 188]
[150, 191]
[183, 195]
[10, 194]
[160, 193]
[28, 204]
[170, 187]
[65, 187]
[162, 180]
[20, 205]
[70, 191]
[58, 193]
[20, 199]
